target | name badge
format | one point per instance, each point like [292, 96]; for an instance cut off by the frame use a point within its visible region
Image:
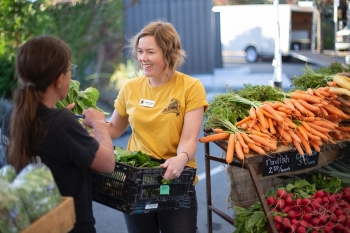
[147, 103]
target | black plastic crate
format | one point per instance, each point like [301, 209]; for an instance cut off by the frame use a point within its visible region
[134, 190]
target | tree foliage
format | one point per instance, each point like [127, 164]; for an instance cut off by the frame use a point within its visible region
[93, 29]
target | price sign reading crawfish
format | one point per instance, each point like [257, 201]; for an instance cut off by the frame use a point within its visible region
[277, 164]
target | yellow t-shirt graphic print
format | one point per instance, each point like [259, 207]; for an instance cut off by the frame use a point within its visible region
[157, 128]
[173, 107]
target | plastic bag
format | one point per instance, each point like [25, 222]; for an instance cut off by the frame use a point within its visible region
[37, 189]
[13, 216]
[8, 173]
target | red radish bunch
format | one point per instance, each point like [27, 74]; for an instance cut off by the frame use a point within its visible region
[323, 212]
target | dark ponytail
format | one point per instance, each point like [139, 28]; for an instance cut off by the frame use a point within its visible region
[40, 61]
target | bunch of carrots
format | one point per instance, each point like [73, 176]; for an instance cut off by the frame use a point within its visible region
[307, 120]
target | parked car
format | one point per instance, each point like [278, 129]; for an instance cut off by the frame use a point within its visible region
[342, 41]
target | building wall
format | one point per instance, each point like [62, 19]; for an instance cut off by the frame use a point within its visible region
[195, 23]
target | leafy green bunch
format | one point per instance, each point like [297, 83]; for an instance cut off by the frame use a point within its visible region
[314, 78]
[83, 99]
[135, 159]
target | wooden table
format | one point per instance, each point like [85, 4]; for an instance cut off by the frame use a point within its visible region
[249, 162]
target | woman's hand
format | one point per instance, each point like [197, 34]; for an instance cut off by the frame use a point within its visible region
[70, 106]
[174, 166]
[93, 117]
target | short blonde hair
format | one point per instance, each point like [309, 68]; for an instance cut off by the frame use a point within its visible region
[166, 38]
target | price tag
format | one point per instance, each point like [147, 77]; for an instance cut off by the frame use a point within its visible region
[164, 190]
[307, 161]
[277, 164]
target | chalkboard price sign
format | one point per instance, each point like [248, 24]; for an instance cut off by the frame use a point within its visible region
[288, 162]
[307, 161]
[277, 164]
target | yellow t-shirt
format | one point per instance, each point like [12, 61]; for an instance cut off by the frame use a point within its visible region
[157, 125]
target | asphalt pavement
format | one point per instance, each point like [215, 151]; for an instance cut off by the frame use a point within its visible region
[232, 76]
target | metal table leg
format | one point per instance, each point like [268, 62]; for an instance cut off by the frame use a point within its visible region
[261, 196]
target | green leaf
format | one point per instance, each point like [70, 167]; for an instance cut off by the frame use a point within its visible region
[254, 220]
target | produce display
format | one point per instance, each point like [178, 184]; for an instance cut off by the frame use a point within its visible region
[318, 205]
[26, 197]
[257, 119]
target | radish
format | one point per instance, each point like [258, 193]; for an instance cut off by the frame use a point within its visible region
[320, 193]
[286, 209]
[270, 200]
[325, 200]
[280, 203]
[277, 219]
[289, 200]
[281, 193]
[347, 223]
[306, 201]
[307, 217]
[299, 201]
[285, 223]
[301, 229]
[292, 214]
[314, 221]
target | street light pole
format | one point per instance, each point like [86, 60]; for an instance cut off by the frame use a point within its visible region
[277, 61]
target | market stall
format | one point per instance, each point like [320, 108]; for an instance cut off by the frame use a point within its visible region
[254, 165]
[272, 136]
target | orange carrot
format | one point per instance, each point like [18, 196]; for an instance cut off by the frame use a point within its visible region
[315, 146]
[306, 97]
[299, 107]
[241, 140]
[294, 136]
[319, 128]
[345, 129]
[271, 126]
[298, 147]
[254, 132]
[324, 123]
[306, 126]
[239, 150]
[310, 136]
[254, 121]
[246, 150]
[218, 130]
[256, 127]
[290, 123]
[319, 134]
[263, 141]
[261, 118]
[266, 113]
[290, 104]
[246, 138]
[273, 112]
[284, 134]
[323, 111]
[214, 137]
[335, 103]
[310, 118]
[308, 106]
[318, 94]
[230, 148]
[252, 113]
[333, 110]
[305, 144]
[257, 149]
[243, 120]
[302, 132]
[261, 128]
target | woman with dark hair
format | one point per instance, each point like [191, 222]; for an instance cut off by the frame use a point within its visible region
[35, 130]
[165, 109]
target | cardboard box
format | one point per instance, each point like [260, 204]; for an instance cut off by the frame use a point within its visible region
[59, 220]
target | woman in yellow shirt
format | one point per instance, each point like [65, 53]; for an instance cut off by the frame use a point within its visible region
[165, 109]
